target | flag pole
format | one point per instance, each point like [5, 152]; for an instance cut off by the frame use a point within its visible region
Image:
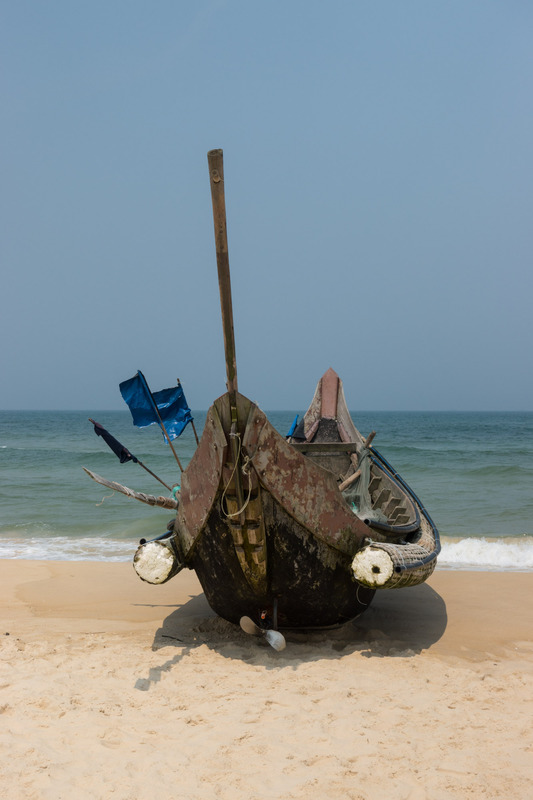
[168, 437]
[138, 461]
[192, 421]
[195, 434]
[160, 420]
[154, 475]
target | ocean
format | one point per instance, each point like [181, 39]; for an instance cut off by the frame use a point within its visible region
[472, 471]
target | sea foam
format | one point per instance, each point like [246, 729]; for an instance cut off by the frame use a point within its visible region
[511, 554]
[504, 555]
[65, 548]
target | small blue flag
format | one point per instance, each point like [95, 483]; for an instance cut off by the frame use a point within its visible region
[293, 427]
[168, 406]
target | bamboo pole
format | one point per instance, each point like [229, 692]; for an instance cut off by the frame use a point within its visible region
[195, 434]
[168, 437]
[154, 475]
[216, 174]
[348, 482]
[192, 421]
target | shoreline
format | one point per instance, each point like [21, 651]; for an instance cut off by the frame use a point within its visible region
[112, 687]
[471, 554]
[448, 615]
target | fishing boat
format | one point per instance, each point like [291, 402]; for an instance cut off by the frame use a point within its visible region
[295, 531]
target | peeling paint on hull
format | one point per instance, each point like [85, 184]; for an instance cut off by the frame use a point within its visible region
[313, 584]
[293, 543]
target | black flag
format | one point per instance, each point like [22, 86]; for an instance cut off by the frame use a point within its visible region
[119, 450]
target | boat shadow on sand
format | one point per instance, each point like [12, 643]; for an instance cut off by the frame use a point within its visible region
[397, 624]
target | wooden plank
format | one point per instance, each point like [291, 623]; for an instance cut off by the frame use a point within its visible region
[382, 498]
[349, 480]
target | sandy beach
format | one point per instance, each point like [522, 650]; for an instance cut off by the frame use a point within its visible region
[112, 688]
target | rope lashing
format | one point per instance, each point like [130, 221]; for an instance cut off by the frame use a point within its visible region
[245, 469]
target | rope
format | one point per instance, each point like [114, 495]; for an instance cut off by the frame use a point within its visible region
[105, 497]
[245, 471]
[358, 598]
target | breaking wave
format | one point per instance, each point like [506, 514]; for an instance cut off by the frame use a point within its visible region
[504, 555]
[510, 554]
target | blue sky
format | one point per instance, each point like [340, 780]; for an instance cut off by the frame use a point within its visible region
[379, 189]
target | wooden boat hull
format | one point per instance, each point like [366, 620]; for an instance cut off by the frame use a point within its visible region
[311, 583]
[288, 551]
[282, 533]
[294, 533]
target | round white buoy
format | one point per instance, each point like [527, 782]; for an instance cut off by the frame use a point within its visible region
[154, 562]
[372, 566]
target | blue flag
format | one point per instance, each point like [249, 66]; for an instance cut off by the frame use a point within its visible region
[168, 405]
[293, 426]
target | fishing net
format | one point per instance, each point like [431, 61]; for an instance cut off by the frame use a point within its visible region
[358, 494]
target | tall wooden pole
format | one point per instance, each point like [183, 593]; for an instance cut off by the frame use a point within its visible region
[216, 174]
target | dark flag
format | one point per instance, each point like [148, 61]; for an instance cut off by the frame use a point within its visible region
[168, 406]
[119, 450]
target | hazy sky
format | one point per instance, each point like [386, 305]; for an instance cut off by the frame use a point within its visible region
[379, 187]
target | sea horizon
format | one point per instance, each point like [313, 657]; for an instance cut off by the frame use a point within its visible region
[93, 410]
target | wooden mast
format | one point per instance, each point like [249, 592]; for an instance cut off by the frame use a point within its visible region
[216, 174]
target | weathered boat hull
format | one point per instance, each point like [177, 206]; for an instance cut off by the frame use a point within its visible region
[309, 584]
[271, 535]
[290, 533]
[281, 546]
[266, 528]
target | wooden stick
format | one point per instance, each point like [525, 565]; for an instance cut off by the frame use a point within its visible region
[168, 437]
[149, 499]
[154, 475]
[348, 482]
[369, 438]
[216, 174]
[192, 421]
[195, 434]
